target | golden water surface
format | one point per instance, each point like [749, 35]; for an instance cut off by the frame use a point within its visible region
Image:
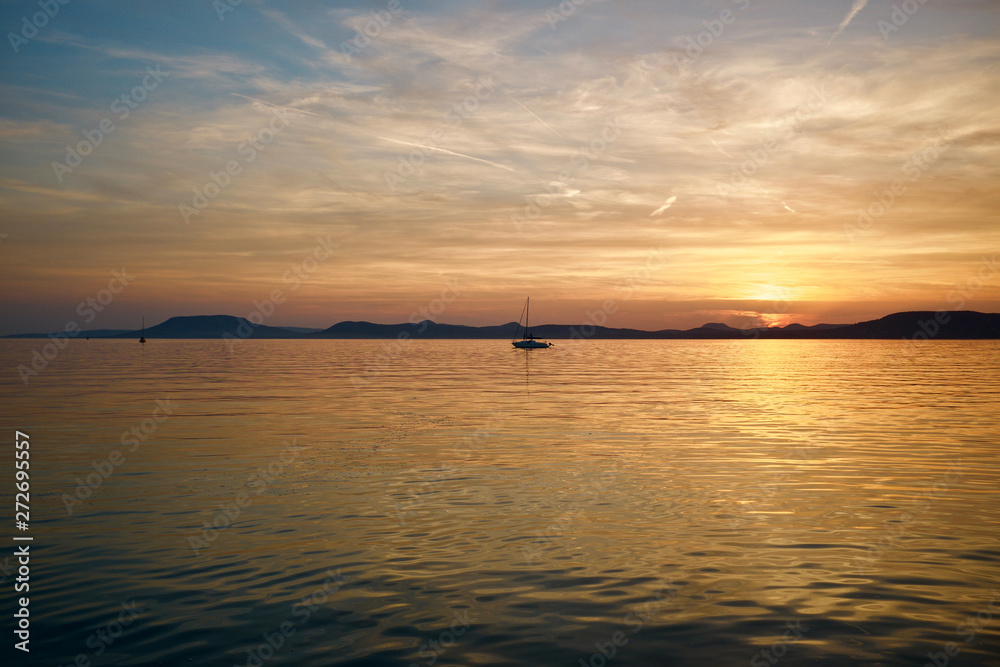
[466, 503]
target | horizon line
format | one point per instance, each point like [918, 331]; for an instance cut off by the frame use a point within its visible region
[290, 328]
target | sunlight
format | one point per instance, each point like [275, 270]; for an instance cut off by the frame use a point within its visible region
[775, 294]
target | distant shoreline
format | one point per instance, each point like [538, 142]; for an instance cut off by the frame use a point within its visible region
[913, 325]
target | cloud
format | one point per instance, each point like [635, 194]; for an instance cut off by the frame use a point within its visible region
[620, 122]
[516, 101]
[855, 9]
[667, 204]
[446, 152]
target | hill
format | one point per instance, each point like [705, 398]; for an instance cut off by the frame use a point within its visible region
[954, 325]
[212, 326]
[425, 329]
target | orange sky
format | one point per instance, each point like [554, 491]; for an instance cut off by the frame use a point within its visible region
[506, 153]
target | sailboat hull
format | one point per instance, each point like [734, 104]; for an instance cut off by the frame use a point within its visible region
[529, 344]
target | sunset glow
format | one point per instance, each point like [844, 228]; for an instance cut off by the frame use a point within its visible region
[611, 333]
[797, 161]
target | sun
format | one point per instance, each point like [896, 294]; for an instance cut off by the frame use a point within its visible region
[776, 294]
[771, 320]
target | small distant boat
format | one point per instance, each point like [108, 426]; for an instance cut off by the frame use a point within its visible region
[142, 339]
[527, 341]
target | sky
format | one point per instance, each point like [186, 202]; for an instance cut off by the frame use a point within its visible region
[627, 162]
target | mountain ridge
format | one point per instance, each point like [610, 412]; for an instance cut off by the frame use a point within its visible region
[917, 325]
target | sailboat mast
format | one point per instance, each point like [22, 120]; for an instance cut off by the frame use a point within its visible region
[527, 341]
[518, 328]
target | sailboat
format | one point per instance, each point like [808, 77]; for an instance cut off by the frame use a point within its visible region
[527, 341]
[142, 339]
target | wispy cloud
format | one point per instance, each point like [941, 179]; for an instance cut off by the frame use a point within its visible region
[596, 131]
[667, 204]
[282, 20]
[855, 9]
[523, 106]
[446, 152]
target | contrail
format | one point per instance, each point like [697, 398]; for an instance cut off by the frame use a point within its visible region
[786, 206]
[719, 149]
[666, 205]
[532, 113]
[254, 99]
[395, 141]
[855, 8]
[442, 150]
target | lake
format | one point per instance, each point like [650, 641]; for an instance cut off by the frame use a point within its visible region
[465, 503]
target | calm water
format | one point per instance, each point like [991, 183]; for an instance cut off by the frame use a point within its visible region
[465, 503]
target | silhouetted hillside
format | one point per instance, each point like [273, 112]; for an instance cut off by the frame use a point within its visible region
[964, 324]
[424, 330]
[212, 326]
